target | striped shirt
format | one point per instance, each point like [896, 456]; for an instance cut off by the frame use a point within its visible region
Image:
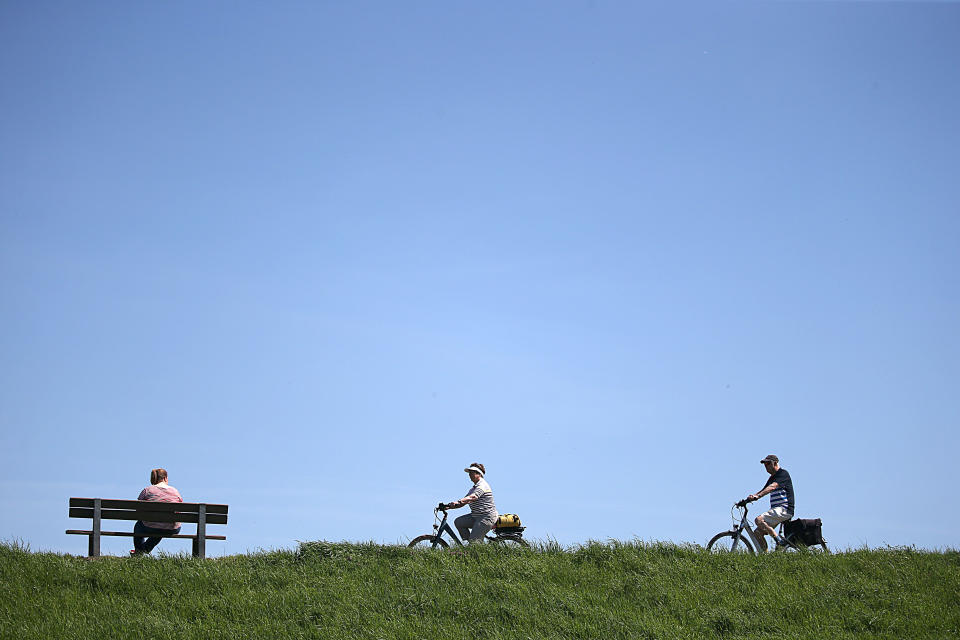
[156, 493]
[778, 498]
[782, 496]
[483, 507]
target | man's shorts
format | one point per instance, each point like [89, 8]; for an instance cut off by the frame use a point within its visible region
[776, 515]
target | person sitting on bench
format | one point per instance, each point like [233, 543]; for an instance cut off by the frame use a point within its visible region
[158, 491]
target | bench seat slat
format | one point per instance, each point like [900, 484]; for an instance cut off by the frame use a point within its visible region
[147, 515]
[156, 506]
[146, 535]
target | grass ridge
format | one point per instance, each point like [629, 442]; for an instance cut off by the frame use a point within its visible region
[606, 589]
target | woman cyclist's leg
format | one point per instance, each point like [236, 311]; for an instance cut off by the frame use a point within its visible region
[463, 524]
[480, 530]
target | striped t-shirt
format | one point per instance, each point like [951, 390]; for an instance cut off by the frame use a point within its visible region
[782, 496]
[155, 493]
[483, 507]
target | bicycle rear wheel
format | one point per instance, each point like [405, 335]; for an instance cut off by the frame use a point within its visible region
[813, 548]
[723, 543]
[509, 541]
[426, 542]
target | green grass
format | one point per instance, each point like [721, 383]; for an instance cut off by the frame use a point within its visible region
[612, 590]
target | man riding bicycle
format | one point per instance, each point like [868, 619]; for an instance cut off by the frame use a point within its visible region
[780, 488]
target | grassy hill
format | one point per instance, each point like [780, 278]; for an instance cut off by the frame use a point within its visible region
[612, 590]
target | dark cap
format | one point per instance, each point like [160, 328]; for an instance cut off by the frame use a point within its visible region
[771, 458]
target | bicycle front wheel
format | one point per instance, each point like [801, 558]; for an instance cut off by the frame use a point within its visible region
[723, 543]
[426, 542]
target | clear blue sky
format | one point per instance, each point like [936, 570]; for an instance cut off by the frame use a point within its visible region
[315, 257]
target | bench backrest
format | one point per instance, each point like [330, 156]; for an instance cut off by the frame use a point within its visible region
[149, 511]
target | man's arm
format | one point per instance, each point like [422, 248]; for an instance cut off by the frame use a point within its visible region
[767, 489]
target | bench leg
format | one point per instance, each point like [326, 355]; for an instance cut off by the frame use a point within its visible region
[95, 536]
[200, 542]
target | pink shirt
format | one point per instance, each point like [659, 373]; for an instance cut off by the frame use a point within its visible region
[155, 493]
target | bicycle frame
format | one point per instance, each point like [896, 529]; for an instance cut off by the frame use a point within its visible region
[439, 529]
[757, 543]
[509, 535]
[784, 541]
[745, 526]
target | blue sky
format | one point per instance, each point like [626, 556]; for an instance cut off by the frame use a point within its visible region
[314, 258]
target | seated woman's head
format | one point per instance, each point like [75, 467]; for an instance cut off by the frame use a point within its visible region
[158, 475]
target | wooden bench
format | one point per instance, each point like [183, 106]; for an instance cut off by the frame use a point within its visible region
[100, 509]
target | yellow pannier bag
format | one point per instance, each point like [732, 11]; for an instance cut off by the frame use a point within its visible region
[508, 521]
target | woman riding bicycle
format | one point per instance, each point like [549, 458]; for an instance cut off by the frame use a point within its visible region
[483, 513]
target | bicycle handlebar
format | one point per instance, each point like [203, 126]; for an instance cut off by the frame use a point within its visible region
[441, 507]
[743, 503]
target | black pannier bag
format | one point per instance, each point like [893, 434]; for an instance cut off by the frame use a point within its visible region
[809, 531]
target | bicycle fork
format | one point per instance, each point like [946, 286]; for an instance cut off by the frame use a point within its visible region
[438, 530]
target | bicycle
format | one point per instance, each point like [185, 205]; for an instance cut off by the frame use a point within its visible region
[506, 536]
[734, 541]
